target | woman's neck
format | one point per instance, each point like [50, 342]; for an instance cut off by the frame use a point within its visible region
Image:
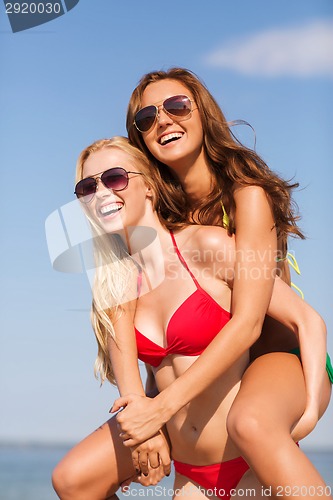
[140, 236]
[149, 245]
[196, 180]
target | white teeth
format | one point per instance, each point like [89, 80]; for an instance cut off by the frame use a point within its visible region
[107, 209]
[169, 137]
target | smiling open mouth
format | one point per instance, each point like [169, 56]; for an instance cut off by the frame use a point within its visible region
[110, 209]
[166, 139]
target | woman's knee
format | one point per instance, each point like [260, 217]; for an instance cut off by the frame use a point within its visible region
[66, 481]
[71, 483]
[246, 424]
[270, 400]
[60, 480]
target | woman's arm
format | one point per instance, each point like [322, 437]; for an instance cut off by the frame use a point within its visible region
[288, 308]
[153, 453]
[123, 352]
[255, 263]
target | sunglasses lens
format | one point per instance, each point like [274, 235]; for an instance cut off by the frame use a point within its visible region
[86, 189]
[115, 179]
[144, 119]
[179, 105]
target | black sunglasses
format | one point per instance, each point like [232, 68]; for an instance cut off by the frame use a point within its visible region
[177, 106]
[114, 178]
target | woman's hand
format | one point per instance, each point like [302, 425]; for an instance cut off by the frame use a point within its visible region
[151, 461]
[152, 455]
[139, 420]
[306, 424]
[153, 478]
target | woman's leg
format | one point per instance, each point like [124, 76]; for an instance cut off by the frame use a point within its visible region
[270, 401]
[94, 468]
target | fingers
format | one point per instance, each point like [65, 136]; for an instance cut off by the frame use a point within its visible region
[119, 404]
[153, 478]
[123, 432]
[136, 463]
[144, 463]
[165, 461]
[129, 443]
[154, 460]
[128, 440]
[304, 426]
[151, 459]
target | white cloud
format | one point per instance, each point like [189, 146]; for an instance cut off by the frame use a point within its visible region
[301, 51]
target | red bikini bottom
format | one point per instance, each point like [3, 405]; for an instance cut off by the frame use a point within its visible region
[219, 479]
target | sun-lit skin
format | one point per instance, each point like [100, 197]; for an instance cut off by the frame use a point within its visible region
[185, 155]
[197, 415]
[114, 210]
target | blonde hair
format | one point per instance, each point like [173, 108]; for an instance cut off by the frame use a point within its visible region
[229, 161]
[114, 266]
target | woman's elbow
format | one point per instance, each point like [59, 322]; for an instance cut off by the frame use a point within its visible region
[321, 325]
[251, 326]
[314, 324]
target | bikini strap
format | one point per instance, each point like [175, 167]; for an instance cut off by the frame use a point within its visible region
[139, 280]
[139, 283]
[182, 260]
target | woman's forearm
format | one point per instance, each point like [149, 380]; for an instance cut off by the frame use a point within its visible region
[292, 311]
[231, 343]
[312, 338]
[124, 356]
[142, 417]
[127, 374]
[254, 267]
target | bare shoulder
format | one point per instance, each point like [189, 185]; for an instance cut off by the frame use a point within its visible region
[213, 239]
[251, 198]
[249, 193]
[253, 209]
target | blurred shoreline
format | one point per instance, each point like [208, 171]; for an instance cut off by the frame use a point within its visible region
[26, 469]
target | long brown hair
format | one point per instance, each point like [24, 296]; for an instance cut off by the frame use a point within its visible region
[230, 162]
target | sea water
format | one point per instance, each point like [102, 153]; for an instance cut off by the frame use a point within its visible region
[25, 473]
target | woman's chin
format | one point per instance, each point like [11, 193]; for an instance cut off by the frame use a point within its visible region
[112, 223]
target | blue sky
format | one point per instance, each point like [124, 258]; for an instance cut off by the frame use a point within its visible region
[65, 84]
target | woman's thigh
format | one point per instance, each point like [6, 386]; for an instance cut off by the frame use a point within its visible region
[272, 395]
[249, 487]
[95, 467]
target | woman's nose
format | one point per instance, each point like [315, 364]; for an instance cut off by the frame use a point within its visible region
[163, 118]
[101, 190]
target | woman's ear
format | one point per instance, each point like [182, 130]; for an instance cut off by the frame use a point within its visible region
[150, 193]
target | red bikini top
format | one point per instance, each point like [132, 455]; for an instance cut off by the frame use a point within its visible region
[191, 328]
